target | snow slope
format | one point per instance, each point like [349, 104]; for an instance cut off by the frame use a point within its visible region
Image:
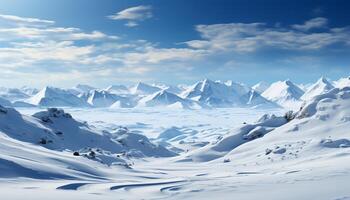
[261, 87]
[320, 87]
[284, 93]
[5, 102]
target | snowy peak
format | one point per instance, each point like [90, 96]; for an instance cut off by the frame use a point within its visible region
[218, 94]
[320, 87]
[144, 89]
[50, 96]
[212, 93]
[285, 93]
[162, 98]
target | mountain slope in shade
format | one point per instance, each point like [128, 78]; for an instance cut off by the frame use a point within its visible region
[261, 87]
[320, 87]
[55, 97]
[284, 93]
[144, 89]
[5, 102]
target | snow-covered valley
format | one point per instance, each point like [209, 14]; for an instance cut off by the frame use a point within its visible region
[212, 143]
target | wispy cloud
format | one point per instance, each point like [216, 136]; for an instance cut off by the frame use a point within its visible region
[25, 21]
[242, 38]
[318, 22]
[133, 15]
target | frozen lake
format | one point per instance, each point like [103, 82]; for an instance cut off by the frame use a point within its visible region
[152, 121]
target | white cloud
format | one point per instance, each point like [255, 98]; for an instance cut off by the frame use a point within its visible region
[26, 21]
[242, 38]
[28, 50]
[318, 22]
[133, 15]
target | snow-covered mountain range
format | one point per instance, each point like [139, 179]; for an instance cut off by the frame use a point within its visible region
[203, 94]
[59, 155]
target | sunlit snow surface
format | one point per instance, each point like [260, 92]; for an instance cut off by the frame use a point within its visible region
[236, 176]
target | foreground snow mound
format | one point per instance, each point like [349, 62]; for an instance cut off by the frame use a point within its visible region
[320, 87]
[54, 129]
[55, 97]
[319, 131]
[284, 93]
[325, 102]
[342, 82]
[235, 138]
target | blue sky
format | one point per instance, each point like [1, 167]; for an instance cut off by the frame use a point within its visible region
[64, 42]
